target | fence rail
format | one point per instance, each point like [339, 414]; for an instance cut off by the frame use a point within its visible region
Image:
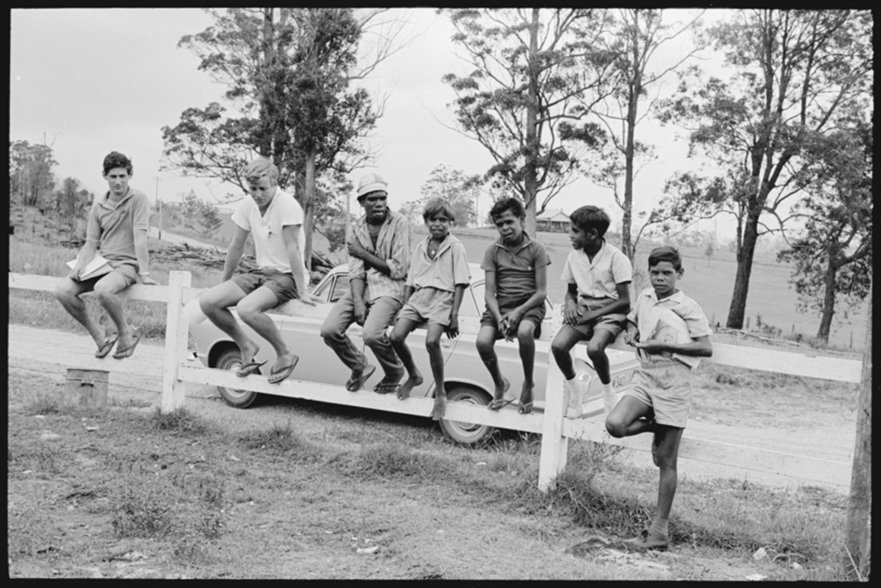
[556, 431]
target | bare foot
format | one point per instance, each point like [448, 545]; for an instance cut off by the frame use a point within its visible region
[440, 406]
[404, 389]
[526, 398]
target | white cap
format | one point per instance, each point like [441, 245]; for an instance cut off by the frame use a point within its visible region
[370, 183]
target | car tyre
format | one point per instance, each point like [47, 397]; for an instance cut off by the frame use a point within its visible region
[466, 433]
[231, 360]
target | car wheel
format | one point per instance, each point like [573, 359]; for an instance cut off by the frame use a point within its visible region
[466, 433]
[231, 360]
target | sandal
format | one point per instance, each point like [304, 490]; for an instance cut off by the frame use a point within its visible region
[354, 383]
[105, 347]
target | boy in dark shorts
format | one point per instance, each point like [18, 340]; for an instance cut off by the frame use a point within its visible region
[515, 269]
[436, 282]
[275, 220]
[598, 275]
[670, 333]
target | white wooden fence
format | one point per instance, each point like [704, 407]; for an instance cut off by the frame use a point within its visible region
[556, 430]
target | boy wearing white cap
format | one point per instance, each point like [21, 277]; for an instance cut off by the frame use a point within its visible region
[379, 255]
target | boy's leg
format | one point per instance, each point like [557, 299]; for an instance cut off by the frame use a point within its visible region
[252, 310]
[526, 346]
[436, 358]
[106, 289]
[665, 452]
[215, 303]
[596, 351]
[333, 333]
[630, 417]
[68, 292]
[561, 347]
[403, 327]
[485, 343]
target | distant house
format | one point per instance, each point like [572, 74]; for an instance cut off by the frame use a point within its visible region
[552, 221]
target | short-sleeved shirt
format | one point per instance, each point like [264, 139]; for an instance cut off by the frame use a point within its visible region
[647, 311]
[448, 268]
[597, 278]
[393, 246]
[112, 225]
[515, 268]
[269, 245]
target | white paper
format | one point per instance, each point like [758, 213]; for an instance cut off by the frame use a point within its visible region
[96, 267]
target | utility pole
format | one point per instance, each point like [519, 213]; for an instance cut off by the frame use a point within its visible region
[159, 205]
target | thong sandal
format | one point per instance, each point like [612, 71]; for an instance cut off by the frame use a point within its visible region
[278, 375]
[105, 347]
[252, 367]
[354, 383]
[499, 403]
[127, 352]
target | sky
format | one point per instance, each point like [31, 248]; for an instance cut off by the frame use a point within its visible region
[110, 79]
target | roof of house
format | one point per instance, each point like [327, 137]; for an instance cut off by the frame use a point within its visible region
[556, 216]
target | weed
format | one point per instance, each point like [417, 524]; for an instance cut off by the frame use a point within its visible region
[45, 402]
[142, 509]
[279, 439]
[387, 460]
[180, 420]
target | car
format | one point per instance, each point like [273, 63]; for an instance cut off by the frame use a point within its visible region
[466, 377]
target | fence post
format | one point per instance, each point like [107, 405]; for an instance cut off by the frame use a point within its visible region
[554, 446]
[176, 333]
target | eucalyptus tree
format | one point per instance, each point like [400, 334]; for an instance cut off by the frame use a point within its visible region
[635, 38]
[287, 73]
[793, 75]
[519, 101]
[832, 257]
[30, 172]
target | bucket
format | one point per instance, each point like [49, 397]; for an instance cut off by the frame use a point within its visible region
[88, 388]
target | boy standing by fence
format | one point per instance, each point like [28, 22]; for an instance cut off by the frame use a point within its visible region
[436, 282]
[515, 269]
[598, 275]
[117, 226]
[670, 333]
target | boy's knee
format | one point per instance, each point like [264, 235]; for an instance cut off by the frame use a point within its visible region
[246, 310]
[432, 343]
[484, 346]
[63, 290]
[615, 427]
[374, 338]
[560, 348]
[596, 350]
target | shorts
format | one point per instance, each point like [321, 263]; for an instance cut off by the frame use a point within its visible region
[534, 315]
[666, 387]
[614, 323]
[126, 271]
[428, 305]
[280, 283]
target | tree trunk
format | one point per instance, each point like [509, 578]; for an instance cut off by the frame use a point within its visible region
[632, 104]
[737, 309]
[828, 298]
[858, 534]
[530, 181]
[309, 206]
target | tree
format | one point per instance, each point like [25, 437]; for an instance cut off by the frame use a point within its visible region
[636, 36]
[519, 101]
[287, 72]
[72, 202]
[30, 172]
[833, 256]
[460, 191]
[793, 73]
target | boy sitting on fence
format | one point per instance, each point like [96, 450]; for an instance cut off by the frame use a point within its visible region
[598, 275]
[670, 333]
[515, 267]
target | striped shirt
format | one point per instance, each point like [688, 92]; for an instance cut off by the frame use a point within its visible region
[393, 246]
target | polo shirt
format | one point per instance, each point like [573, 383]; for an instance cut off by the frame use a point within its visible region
[597, 278]
[645, 315]
[515, 268]
[269, 247]
[393, 246]
[445, 271]
[112, 225]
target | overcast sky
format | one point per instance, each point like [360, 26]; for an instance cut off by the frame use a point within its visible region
[89, 81]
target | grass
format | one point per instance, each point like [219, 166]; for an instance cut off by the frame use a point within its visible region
[199, 499]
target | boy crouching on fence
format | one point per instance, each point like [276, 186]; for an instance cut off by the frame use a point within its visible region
[670, 333]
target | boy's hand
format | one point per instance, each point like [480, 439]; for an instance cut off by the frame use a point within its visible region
[631, 337]
[509, 325]
[571, 313]
[452, 329]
